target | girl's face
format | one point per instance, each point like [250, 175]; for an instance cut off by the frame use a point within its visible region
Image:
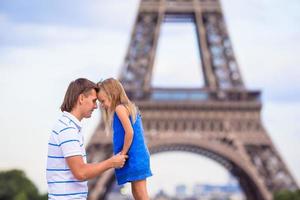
[104, 100]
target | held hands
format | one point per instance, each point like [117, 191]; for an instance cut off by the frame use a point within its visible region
[118, 160]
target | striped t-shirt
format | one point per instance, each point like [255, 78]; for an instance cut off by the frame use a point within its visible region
[65, 140]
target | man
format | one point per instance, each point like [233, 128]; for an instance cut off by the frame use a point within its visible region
[67, 170]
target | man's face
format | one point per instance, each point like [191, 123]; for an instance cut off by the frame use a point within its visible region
[89, 103]
[104, 100]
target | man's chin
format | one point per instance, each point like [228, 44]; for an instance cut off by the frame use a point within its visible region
[88, 115]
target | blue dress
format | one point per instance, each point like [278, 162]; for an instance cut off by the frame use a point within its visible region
[137, 166]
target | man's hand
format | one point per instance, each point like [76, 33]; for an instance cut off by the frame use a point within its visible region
[118, 160]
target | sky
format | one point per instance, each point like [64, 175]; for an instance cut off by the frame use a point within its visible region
[46, 44]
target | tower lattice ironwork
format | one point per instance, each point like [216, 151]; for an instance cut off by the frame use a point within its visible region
[221, 120]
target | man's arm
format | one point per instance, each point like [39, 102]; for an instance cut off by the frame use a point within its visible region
[83, 171]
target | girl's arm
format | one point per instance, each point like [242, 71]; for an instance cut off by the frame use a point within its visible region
[123, 115]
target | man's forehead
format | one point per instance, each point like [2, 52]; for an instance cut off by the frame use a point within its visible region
[94, 94]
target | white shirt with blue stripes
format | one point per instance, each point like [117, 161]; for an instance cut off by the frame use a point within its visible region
[65, 140]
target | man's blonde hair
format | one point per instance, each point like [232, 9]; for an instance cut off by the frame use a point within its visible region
[117, 95]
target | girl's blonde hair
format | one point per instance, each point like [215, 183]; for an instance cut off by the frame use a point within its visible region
[117, 95]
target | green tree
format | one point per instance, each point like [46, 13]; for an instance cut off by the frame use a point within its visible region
[14, 185]
[287, 195]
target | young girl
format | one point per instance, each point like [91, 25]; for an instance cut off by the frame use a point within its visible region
[121, 115]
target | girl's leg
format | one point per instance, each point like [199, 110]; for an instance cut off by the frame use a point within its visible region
[139, 190]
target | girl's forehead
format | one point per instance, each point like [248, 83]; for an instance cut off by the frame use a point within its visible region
[101, 93]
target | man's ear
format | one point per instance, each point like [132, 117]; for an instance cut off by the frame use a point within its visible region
[80, 99]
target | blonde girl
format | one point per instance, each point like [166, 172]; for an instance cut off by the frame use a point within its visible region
[122, 118]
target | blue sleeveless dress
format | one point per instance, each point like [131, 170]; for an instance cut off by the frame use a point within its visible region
[137, 166]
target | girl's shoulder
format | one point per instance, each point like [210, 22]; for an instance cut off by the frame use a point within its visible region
[121, 108]
[122, 111]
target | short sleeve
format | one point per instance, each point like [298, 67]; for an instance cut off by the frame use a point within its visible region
[69, 141]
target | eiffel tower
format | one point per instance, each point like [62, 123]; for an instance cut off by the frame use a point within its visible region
[221, 120]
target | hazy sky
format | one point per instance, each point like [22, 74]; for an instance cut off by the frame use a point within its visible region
[46, 44]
